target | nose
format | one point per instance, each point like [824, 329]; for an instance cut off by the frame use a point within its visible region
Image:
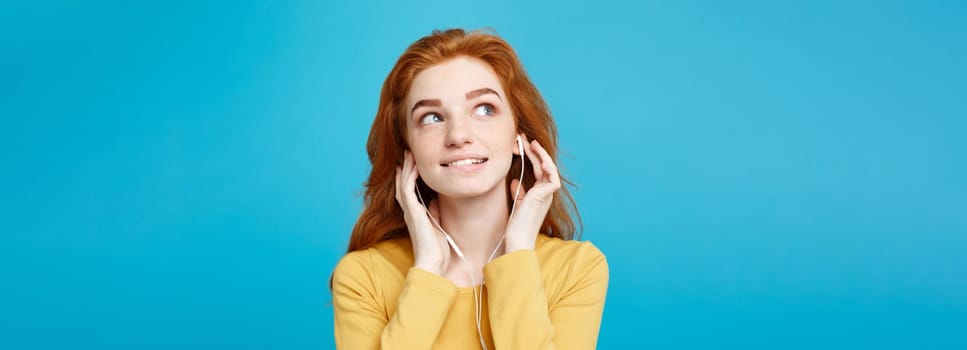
[458, 132]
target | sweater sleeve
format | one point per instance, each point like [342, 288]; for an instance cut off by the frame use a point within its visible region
[360, 317]
[520, 315]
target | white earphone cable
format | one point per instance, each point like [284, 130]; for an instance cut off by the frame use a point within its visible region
[478, 301]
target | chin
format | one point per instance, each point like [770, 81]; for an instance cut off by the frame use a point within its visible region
[466, 189]
[462, 193]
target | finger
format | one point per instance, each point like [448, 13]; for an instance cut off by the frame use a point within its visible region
[535, 160]
[397, 188]
[404, 171]
[406, 176]
[409, 178]
[400, 176]
[548, 165]
[414, 179]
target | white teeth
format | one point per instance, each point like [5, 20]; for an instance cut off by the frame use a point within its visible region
[465, 162]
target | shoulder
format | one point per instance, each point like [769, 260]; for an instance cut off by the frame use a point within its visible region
[572, 269]
[568, 261]
[550, 249]
[390, 256]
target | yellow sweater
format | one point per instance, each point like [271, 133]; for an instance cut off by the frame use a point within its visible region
[551, 297]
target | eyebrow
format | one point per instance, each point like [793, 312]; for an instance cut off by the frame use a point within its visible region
[480, 92]
[470, 95]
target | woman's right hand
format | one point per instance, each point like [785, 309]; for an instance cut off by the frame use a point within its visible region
[430, 248]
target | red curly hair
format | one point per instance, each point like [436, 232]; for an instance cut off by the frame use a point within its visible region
[382, 217]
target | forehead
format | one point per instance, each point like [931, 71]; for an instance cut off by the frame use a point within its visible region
[450, 80]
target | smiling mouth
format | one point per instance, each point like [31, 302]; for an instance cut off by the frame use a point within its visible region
[462, 162]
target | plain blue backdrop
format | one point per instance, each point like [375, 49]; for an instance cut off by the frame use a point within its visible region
[185, 174]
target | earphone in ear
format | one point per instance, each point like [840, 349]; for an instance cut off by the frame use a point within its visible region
[520, 146]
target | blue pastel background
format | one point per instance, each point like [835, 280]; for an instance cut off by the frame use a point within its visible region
[761, 175]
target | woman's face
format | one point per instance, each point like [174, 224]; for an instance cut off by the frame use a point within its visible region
[460, 128]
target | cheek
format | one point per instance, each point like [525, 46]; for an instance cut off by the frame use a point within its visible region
[425, 149]
[425, 161]
[422, 164]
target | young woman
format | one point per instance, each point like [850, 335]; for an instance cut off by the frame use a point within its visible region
[465, 240]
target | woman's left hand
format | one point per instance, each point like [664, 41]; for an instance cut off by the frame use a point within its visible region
[533, 203]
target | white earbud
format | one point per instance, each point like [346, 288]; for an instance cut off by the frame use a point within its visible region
[520, 146]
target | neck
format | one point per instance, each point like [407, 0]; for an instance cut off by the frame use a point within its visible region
[476, 224]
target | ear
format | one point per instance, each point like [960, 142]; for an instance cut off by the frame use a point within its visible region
[518, 146]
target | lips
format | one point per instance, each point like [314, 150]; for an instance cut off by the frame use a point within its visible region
[465, 159]
[465, 162]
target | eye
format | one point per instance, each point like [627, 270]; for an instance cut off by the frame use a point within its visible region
[430, 118]
[484, 109]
